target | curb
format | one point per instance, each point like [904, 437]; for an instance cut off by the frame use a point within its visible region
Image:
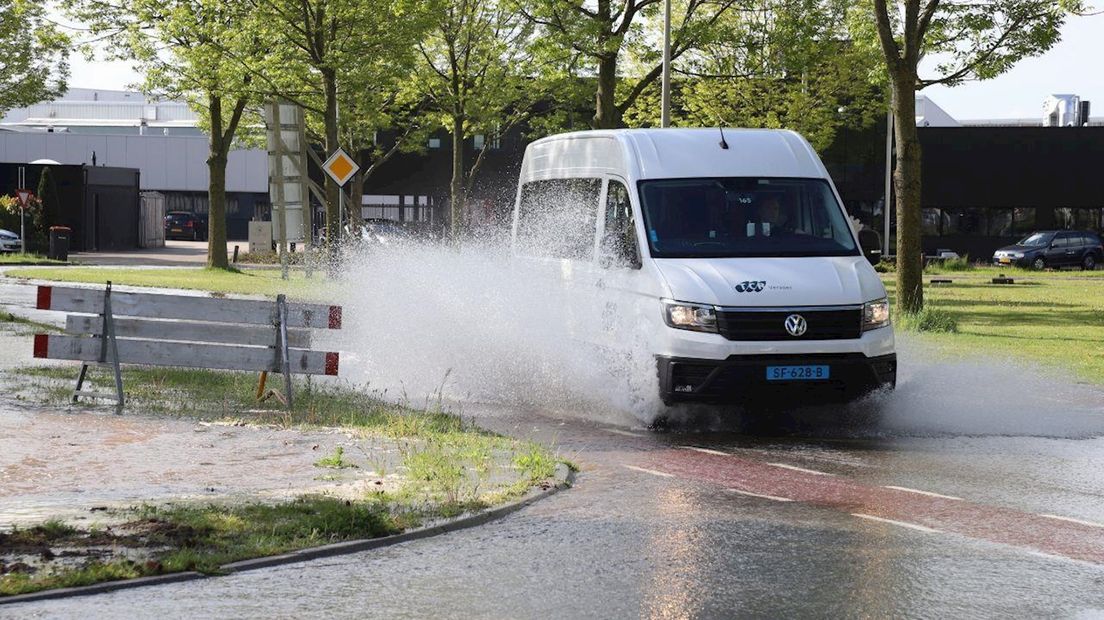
[564, 478]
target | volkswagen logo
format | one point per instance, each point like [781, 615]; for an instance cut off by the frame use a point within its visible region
[796, 325]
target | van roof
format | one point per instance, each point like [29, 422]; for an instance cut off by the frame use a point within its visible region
[679, 153]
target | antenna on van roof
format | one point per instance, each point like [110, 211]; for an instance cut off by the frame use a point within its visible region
[724, 145]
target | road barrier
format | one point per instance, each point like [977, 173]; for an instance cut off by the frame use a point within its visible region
[151, 329]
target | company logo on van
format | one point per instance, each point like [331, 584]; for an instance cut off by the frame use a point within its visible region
[751, 286]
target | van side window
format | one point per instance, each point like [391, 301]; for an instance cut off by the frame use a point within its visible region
[619, 247]
[557, 218]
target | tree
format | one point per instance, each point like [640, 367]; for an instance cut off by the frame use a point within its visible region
[376, 126]
[773, 64]
[478, 74]
[972, 41]
[34, 55]
[46, 215]
[321, 52]
[596, 36]
[182, 47]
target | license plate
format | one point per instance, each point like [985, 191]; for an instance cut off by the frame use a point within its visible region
[176, 230]
[797, 373]
[1005, 260]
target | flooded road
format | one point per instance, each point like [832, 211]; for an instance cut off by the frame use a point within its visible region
[680, 525]
[980, 493]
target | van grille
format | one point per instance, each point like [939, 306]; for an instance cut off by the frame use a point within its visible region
[754, 325]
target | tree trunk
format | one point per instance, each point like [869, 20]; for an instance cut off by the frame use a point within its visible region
[356, 194]
[906, 183]
[456, 187]
[333, 200]
[216, 188]
[606, 115]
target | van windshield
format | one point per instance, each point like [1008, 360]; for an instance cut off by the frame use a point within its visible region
[740, 216]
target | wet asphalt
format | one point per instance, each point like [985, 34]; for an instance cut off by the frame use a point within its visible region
[695, 525]
[975, 496]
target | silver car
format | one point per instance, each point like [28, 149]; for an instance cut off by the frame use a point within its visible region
[9, 241]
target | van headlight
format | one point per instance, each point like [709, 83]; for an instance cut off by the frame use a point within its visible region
[875, 314]
[695, 317]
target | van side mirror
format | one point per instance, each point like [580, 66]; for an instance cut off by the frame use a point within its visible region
[871, 243]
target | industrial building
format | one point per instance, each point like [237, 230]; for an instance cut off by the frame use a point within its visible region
[986, 182]
[160, 139]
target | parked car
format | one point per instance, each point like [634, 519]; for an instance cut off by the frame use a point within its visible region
[9, 241]
[384, 232]
[186, 225]
[1053, 248]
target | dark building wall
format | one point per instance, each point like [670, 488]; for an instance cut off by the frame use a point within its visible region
[430, 173]
[111, 206]
[100, 204]
[983, 187]
[241, 207]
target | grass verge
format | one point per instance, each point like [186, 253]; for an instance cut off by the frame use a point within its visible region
[247, 282]
[15, 321]
[447, 466]
[9, 258]
[1054, 319]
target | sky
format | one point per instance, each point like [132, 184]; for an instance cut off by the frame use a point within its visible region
[1070, 67]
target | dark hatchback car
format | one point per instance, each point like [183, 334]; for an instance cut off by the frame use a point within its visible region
[185, 225]
[1053, 248]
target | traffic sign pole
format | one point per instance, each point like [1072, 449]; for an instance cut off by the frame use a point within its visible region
[24, 196]
[340, 167]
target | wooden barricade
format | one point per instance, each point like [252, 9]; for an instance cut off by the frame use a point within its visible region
[152, 329]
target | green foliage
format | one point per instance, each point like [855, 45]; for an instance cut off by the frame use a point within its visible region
[796, 70]
[886, 266]
[34, 55]
[928, 320]
[336, 460]
[477, 73]
[616, 44]
[962, 263]
[9, 213]
[46, 213]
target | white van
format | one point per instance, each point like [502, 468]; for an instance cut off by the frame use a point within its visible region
[728, 251]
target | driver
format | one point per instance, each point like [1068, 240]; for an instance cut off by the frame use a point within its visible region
[775, 218]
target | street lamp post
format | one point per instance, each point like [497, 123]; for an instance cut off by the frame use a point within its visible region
[665, 106]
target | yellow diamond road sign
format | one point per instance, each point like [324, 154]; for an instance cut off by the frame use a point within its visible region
[340, 167]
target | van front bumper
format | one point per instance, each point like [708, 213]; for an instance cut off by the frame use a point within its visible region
[743, 378]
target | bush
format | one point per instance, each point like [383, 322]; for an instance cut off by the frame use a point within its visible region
[961, 263]
[928, 320]
[886, 266]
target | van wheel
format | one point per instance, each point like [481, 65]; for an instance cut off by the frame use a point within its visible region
[1089, 263]
[1039, 263]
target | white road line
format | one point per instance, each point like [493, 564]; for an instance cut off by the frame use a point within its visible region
[928, 493]
[770, 497]
[1072, 520]
[911, 526]
[801, 469]
[649, 471]
[621, 432]
[705, 450]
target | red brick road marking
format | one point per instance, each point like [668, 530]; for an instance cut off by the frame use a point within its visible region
[1070, 539]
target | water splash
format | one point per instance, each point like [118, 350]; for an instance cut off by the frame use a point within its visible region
[477, 325]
